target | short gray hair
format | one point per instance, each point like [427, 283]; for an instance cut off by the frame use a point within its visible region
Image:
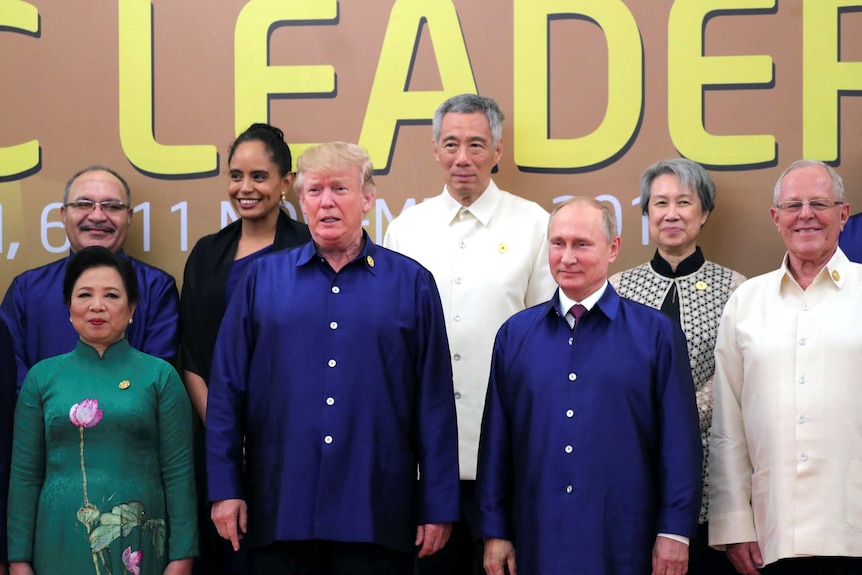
[689, 174]
[837, 182]
[468, 104]
[609, 221]
[96, 168]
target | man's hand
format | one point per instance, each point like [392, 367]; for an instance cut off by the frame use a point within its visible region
[745, 557]
[432, 537]
[669, 557]
[499, 553]
[230, 517]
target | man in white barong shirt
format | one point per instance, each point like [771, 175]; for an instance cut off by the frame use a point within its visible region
[786, 448]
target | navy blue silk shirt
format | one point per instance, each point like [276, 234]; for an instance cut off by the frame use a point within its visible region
[850, 240]
[38, 319]
[7, 409]
[590, 441]
[341, 384]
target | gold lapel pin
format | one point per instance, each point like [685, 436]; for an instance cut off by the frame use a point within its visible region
[370, 261]
[835, 275]
[125, 384]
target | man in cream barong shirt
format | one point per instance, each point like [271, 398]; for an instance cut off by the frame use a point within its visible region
[786, 448]
[488, 252]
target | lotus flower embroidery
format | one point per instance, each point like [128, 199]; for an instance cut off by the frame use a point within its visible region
[86, 414]
[132, 561]
[105, 528]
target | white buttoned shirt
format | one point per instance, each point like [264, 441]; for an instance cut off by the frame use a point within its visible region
[786, 447]
[490, 260]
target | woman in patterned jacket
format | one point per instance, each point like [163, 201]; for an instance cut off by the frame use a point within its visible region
[677, 197]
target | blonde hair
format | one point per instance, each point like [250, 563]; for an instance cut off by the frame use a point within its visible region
[335, 157]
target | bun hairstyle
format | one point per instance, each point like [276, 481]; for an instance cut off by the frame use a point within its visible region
[272, 139]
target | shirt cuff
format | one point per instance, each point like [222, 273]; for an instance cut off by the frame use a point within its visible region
[679, 538]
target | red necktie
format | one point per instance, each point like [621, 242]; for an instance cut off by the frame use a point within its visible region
[577, 311]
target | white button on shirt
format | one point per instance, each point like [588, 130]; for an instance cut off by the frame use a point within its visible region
[764, 434]
[498, 247]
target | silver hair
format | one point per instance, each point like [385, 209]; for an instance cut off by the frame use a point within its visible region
[468, 104]
[837, 182]
[689, 174]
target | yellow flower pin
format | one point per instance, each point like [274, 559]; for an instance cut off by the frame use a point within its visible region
[503, 248]
[125, 384]
[700, 286]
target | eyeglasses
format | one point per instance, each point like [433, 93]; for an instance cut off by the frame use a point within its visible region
[109, 206]
[817, 205]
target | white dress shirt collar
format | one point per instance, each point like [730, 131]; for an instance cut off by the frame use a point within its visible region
[588, 302]
[482, 209]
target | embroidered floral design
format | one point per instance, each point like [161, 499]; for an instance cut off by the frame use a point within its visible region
[86, 413]
[132, 561]
[104, 528]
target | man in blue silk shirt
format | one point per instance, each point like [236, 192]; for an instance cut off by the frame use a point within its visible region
[332, 372]
[590, 456]
[7, 409]
[96, 211]
[850, 240]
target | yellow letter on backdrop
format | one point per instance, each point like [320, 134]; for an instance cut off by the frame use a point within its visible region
[254, 79]
[390, 101]
[688, 71]
[824, 77]
[533, 147]
[136, 102]
[19, 158]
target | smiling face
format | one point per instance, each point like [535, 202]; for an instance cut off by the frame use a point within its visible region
[675, 217]
[467, 154]
[810, 236]
[579, 254]
[96, 227]
[99, 307]
[255, 187]
[334, 203]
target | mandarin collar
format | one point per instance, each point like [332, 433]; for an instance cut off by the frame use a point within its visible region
[686, 267]
[117, 348]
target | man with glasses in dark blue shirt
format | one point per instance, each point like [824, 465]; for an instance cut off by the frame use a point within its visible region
[97, 210]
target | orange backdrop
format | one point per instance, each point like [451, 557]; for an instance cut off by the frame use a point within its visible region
[593, 91]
